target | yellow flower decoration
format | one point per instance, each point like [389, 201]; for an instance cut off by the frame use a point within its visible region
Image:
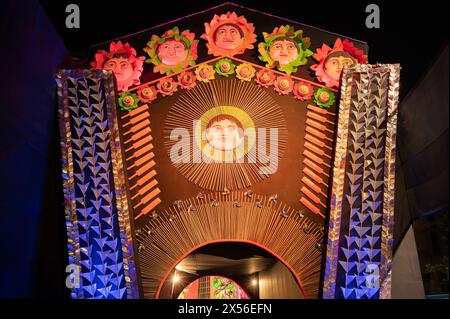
[245, 72]
[205, 72]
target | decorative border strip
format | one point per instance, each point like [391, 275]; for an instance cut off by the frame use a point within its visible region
[389, 184]
[337, 191]
[73, 246]
[339, 172]
[114, 201]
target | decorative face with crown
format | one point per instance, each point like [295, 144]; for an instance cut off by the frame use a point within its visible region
[228, 37]
[331, 61]
[173, 51]
[121, 68]
[335, 62]
[123, 62]
[284, 49]
[224, 132]
[229, 34]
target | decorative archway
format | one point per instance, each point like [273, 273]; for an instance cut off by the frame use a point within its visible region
[238, 217]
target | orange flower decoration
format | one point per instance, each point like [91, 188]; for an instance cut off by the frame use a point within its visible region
[186, 80]
[284, 85]
[245, 72]
[167, 86]
[205, 72]
[303, 91]
[265, 78]
[147, 94]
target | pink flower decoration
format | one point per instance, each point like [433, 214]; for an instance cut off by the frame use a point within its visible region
[147, 94]
[186, 80]
[303, 91]
[167, 86]
[284, 85]
[265, 78]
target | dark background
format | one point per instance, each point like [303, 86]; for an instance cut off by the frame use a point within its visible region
[33, 242]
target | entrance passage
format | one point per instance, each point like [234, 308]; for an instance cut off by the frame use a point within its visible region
[231, 270]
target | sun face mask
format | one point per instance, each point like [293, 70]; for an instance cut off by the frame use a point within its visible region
[228, 35]
[331, 61]
[172, 52]
[123, 62]
[284, 49]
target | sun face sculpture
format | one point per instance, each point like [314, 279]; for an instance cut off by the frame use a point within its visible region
[224, 132]
[229, 34]
[223, 123]
[123, 61]
[173, 51]
[331, 61]
[285, 49]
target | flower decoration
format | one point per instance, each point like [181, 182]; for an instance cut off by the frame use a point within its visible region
[123, 61]
[225, 67]
[245, 72]
[167, 86]
[265, 78]
[331, 61]
[186, 80]
[128, 101]
[324, 98]
[303, 91]
[205, 72]
[147, 94]
[173, 51]
[284, 84]
[229, 34]
[285, 49]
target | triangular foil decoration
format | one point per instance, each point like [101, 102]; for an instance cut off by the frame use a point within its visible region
[348, 292]
[361, 293]
[372, 253]
[360, 280]
[349, 240]
[355, 166]
[375, 217]
[347, 266]
[353, 177]
[372, 292]
[361, 255]
[377, 162]
[354, 211]
[355, 156]
[349, 281]
[348, 253]
[351, 199]
[375, 184]
[375, 172]
[377, 151]
[362, 230]
[373, 240]
[379, 132]
[361, 267]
